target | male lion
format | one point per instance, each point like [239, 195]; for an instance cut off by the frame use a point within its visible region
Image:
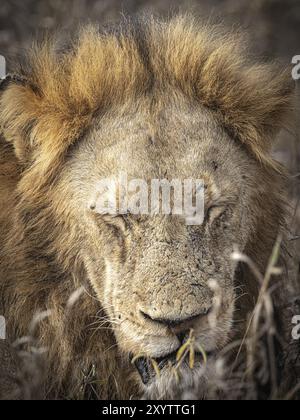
[152, 99]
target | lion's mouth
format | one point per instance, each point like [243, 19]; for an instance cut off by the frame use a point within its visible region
[146, 366]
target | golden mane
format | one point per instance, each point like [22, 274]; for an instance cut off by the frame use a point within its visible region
[58, 94]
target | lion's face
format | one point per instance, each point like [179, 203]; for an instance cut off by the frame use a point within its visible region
[156, 276]
[149, 100]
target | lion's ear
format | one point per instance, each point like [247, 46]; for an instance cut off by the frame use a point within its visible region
[253, 100]
[258, 103]
[271, 107]
[18, 107]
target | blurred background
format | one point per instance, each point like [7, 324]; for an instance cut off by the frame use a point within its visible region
[272, 25]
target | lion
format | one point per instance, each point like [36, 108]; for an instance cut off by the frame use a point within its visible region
[123, 297]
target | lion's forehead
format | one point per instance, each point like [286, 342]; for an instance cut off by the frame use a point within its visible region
[174, 146]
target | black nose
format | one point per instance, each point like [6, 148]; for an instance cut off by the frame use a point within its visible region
[176, 323]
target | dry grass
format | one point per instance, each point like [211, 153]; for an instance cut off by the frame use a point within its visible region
[253, 366]
[248, 366]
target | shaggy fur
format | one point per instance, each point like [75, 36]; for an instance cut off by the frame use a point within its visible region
[58, 95]
[45, 111]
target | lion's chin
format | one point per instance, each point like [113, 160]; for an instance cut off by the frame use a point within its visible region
[149, 369]
[182, 383]
[165, 378]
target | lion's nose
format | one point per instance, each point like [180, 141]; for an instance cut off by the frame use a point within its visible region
[177, 323]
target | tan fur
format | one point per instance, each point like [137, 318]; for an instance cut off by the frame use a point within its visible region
[251, 100]
[168, 81]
